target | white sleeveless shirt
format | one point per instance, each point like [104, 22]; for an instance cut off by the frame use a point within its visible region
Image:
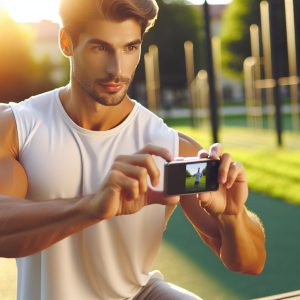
[109, 260]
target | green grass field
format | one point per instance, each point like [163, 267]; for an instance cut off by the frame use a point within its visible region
[190, 184]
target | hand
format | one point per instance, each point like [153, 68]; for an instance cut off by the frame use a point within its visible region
[233, 191]
[125, 189]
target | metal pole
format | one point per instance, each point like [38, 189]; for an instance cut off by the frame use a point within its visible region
[266, 36]
[290, 30]
[211, 77]
[190, 74]
[275, 59]
[216, 50]
[150, 82]
[154, 51]
[258, 111]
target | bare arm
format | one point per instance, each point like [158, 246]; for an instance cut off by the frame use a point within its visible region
[237, 238]
[28, 227]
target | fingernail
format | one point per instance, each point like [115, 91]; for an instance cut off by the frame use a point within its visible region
[213, 152]
[169, 156]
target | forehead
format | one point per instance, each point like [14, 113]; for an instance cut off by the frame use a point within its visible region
[116, 33]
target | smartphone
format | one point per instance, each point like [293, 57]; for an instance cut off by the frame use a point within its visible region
[191, 175]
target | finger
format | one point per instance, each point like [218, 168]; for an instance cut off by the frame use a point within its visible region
[158, 197]
[130, 185]
[142, 160]
[226, 160]
[215, 150]
[135, 172]
[203, 153]
[158, 151]
[235, 170]
[205, 199]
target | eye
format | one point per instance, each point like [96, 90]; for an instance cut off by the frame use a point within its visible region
[100, 48]
[131, 48]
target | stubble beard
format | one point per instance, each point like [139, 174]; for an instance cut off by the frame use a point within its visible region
[105, 98]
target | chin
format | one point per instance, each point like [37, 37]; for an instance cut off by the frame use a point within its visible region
[110, 99]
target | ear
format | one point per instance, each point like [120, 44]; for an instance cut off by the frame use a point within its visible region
[65, 43]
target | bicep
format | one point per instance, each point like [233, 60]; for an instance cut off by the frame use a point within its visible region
[188, 146]
[13, 179]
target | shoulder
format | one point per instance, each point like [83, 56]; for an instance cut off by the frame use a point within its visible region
[187, 145]
[154, 125]
[38, 102]
[8, 132]
[158, 129]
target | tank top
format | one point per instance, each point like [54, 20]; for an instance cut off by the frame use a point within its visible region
[114, 258]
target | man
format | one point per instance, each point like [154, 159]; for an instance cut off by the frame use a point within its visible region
[198, 175]
[82, 207]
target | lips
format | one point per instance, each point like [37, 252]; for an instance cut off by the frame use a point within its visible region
[112, 87]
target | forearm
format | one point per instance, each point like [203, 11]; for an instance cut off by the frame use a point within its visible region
[242, 249]
[29, 227]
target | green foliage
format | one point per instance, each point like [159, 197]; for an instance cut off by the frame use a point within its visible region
[176, 23]
[187, 174]
[204, 172]
[235, 34]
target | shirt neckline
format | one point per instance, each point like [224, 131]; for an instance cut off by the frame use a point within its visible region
[72, 124]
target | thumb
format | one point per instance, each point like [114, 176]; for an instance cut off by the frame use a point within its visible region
[204, 199]
[158, 197]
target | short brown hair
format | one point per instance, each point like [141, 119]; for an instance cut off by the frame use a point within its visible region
[75, 13]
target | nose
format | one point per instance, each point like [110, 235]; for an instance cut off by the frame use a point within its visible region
[115, 64]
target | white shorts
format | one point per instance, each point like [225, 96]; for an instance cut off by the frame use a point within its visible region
[157, 289]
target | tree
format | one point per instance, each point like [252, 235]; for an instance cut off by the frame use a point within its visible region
[204, 172]
[235, 34]
[188, 174]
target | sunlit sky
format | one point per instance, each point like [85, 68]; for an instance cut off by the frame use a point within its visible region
[36, 10]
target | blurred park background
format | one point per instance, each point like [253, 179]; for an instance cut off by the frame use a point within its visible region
[243, 92]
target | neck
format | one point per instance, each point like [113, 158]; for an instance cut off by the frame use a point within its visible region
[89, 114]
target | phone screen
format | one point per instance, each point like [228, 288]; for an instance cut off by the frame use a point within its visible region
[195, 177]
[191, 177]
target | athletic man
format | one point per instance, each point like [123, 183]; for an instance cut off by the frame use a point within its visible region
[198, 176]
[78, 209]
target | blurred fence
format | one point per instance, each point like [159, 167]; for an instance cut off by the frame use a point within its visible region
[252, 72]
[260, 84]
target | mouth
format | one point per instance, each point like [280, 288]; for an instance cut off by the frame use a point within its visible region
[110, 87]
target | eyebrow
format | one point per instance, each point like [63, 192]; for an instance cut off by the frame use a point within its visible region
[103, 43]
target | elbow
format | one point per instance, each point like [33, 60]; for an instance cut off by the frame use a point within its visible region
[249, 270]
[253, 267]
